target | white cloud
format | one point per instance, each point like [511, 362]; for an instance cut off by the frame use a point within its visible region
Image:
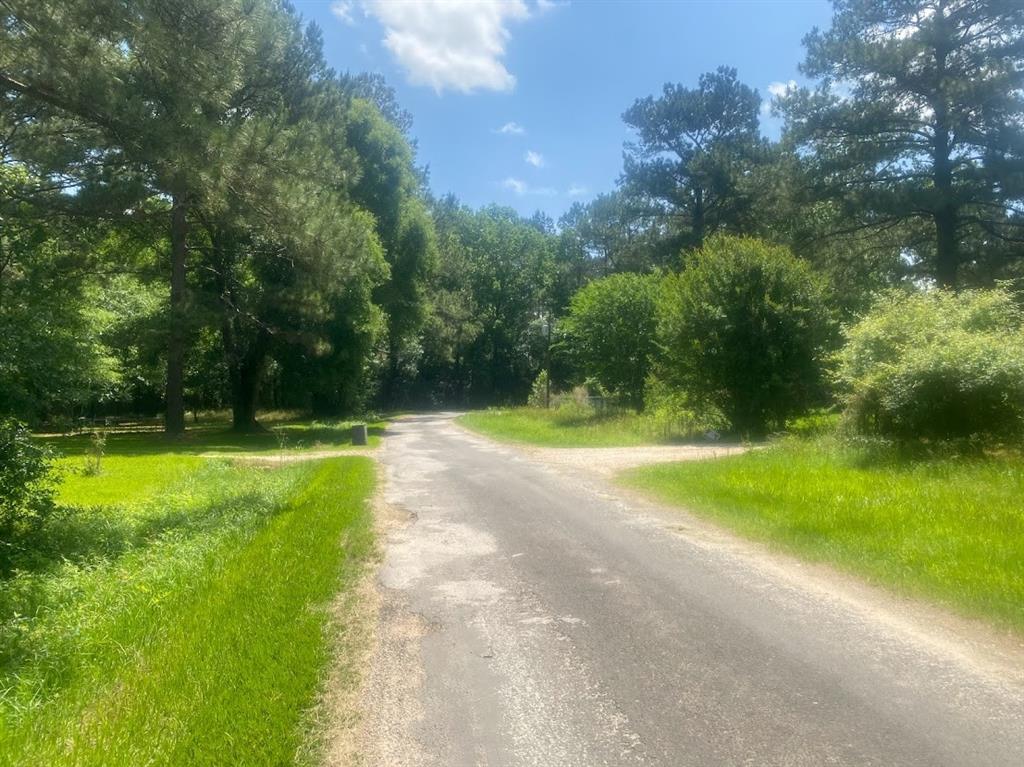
[781, 89]
[516, 185]
[521, 188]
[577, 190]
[511, 129]
[536, 159]
[343, 9]
[450, 44]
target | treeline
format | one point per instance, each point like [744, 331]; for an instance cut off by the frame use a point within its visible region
[197, 212]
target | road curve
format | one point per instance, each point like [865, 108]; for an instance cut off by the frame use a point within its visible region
[530, 616]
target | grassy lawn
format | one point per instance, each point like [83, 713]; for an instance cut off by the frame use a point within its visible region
[569, 427]
[949, 529]
[176, 609]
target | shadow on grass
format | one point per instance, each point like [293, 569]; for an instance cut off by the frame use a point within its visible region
[217, 438]
[95, 535]
[42, 572]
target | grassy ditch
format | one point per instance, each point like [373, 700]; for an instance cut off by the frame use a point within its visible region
[179, 613]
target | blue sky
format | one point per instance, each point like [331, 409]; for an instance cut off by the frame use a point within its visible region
[556, 75]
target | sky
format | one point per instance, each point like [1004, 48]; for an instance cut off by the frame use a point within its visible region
[520, 102]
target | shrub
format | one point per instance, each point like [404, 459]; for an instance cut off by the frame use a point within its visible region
[936, 365]
[540, 391]
[610, 332]
[744, 330]
[27, 482]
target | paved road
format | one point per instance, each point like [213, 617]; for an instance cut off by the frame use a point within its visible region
[530, 617]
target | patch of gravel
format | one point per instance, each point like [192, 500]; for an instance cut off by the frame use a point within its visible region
[608, 461]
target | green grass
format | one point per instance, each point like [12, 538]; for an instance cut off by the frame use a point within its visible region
[123, 479]
[569, 427]
[178, 613]
[948, 529]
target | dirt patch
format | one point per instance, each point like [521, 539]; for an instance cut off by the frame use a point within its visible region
[608, 461]
[335, 720]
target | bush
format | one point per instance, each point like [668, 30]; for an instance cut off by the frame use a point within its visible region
[540, 391]
[744, 330]
[610, 332]
[27, 482]
[936, 365]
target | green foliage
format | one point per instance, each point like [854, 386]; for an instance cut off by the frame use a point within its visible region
[610, 332]
[389, 188]
[675, 412]
[937, 365]
[949, 529]
[27, 482]
[744, 329]
[493, 290]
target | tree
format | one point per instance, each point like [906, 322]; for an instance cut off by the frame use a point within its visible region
[291, 257]
[692, 147]
[858, 262]
[744, 328]
[148, 96]
[610, 332]
[389, 187]
[919, 116]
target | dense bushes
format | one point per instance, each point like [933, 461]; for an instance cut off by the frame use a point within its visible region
[26, 484]
[740, 337]
[610, 331]
[743, 329]
[936, 365]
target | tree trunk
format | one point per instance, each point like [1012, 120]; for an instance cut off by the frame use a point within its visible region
[946, 212]
[947, 250]
[699, 224]
[246, 376]
[174, 422]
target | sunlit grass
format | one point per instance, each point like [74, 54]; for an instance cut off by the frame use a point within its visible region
[122, 479]
[570, 427]
[950, 529]
[177, 613]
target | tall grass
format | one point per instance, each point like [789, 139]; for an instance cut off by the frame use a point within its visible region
[186, 628]
[575, 426]
[949, 528]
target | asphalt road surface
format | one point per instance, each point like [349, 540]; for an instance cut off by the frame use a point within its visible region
[532, 615]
